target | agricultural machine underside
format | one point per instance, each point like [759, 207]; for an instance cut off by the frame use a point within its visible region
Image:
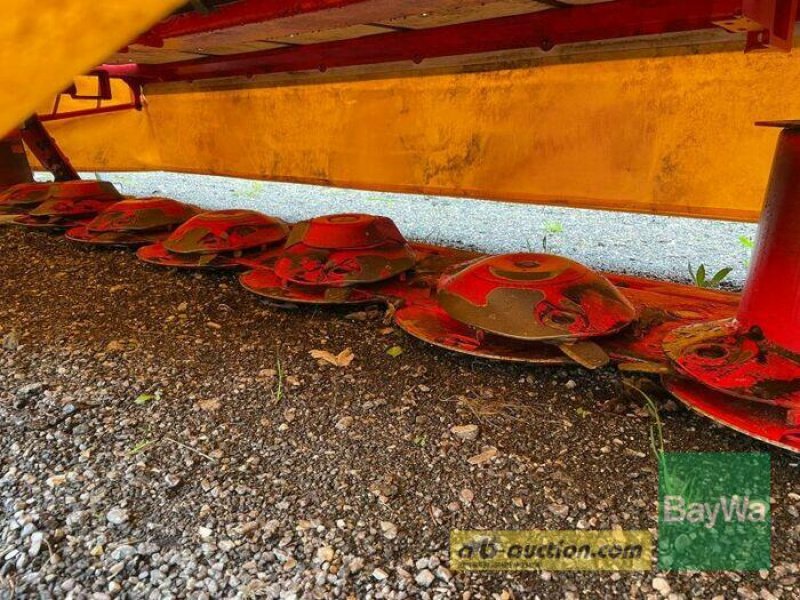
[735, 360]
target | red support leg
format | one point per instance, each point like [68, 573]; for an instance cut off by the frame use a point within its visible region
[771, 299]
[45, 149]
[14, 167]
[755, 357]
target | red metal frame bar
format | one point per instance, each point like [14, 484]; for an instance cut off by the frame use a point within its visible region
[87, 112]
[233, 15]
[45, 149]
[619, 19]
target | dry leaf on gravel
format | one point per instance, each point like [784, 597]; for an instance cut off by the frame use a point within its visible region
[208, 405]
[343, 359]
[483, 457]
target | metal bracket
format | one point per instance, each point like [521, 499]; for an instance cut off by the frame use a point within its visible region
[104, 92]
[769, 24]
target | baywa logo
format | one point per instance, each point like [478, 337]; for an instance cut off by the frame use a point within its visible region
[714, 511]
[708, 514]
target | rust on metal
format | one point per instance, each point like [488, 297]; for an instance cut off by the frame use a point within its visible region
[430, 323]
[344, 250]
[224, 231]
[24, 197]
[740, 362]
[222, 239]
[70, 204]
[534, 297]
[266, 283]
[134, 222]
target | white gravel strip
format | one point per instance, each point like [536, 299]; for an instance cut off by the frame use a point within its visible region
[654, 246]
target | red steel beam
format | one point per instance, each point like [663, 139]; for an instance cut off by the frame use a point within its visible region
[594, 22]
[239, 13]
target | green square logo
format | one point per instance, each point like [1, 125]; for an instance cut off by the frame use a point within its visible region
[714, 511]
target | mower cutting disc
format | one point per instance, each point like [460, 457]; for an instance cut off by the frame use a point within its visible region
[21, 198]
[771, 424]
[134, 222]
[157, 254]
[64, 213]
[226, 231]
[52, 223]
[742, 363]
[537, 297]
[430, 323]
[265, 282]
[82, 234]
[343, 250]
[660, 310]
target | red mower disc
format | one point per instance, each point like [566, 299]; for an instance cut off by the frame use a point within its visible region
[157, 254]
[771, 424]
[134, 222]
[430, 323]
[534, 297]
[266, 283]
[20, 198]
[661, 309]
[344, 250]
[742, 363]
[226, 231]
[224, 239]
[24, 197]
[64, 213]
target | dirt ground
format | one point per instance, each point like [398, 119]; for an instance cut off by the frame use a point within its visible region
[167, 434]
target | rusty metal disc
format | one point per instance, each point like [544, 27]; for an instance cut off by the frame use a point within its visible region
[534, 297]
[661, 309]
[71, 207]
[134, 222]
[52, 223]
[20, 198]
[115, 238]
[158, 254]
[266, 283]
[225, 231]
[143, 214]
[430, 323]
[741, 363]
[771, 424]
[344, 250]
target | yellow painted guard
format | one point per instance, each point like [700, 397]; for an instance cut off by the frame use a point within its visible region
[670, 135]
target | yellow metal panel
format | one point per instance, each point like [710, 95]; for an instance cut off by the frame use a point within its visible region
[43, 45]
[670, 135]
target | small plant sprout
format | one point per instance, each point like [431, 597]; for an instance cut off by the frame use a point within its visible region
[656, 426]
[551, 228]
[748, 244]
[277, 392]
[700, 279]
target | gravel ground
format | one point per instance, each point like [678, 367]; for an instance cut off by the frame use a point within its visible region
[661, 247]
[166, 434]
